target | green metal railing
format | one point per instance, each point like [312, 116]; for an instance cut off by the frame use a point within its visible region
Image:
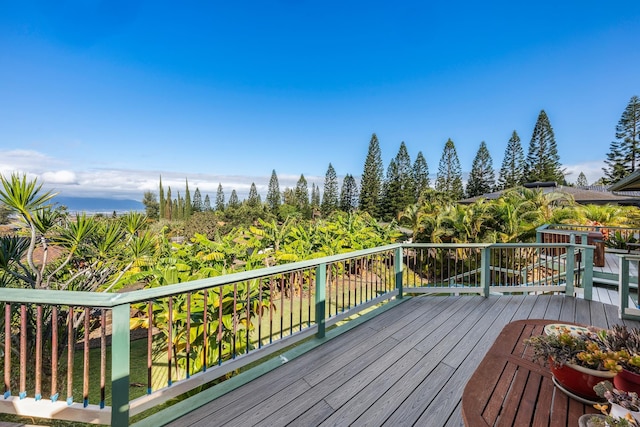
[200, 331]
[627, 286]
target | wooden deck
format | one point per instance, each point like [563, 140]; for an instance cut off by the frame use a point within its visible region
[406, 366]
[612, 267]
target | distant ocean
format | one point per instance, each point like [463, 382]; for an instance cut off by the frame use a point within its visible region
[94, 205]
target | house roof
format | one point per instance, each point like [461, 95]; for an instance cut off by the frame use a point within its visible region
[594, 195]
[629, 183]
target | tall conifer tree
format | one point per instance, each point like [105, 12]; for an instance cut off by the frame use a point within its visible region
[349, 194]
[302, 196]
[449, 177]
[315, 198]
[582, 180]
[187, 201]
[330, 193]
[273, 194]
[197, 201]
[234, 202]
[371, 182]
[543, 162]
[391, 188]
[482, 178]
[399, 187]
[406, 189]
[624, 152]
[162, 201]
[220, 198]
[511, 173]
[420, 174]
[179, 211]
[289, 197]
[207, 203]
[254, 198]
[168, 211]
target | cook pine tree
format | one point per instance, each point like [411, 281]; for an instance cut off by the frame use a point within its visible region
[543, 162]
[315, 199]
[302, 197]
[581, 181]
[330, 192]
[624, 151]
[420, 175]
[371, 182]
[349, 194]
[196, 205]
[399, 188]
[254, 198]
[220, 198]
[273, 194]
[234, 202]
[482, 178]
[449, 177]
[511, 173]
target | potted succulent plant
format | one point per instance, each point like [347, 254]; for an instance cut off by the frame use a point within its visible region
[627, 343]
[578, 360]
[625, 406]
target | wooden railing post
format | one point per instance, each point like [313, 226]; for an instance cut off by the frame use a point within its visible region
[398, 267]
[485, 270]
[321, 286]
[120, 355]
[569, 270]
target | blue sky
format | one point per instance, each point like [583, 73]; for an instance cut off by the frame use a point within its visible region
[99, 98]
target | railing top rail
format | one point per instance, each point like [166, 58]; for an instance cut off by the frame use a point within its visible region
[550, 227]
[108, 300]
[565, 232]
[540, 245]
[446, 245]
[630, 257]
[492, 245]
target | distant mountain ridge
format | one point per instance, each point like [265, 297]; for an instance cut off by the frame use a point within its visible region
[98, 204]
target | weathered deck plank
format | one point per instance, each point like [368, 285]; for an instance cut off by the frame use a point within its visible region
[408, 365]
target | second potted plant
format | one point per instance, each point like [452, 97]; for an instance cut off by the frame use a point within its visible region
[578, 360]
[624, 405]
[627, 342]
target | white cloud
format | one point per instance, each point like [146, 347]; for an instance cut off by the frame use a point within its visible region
[55, 175]
[59, 177]
[25, 161]
[592, 170]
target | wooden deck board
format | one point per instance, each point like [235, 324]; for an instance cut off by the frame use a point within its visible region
[612, 265]
[408, 365]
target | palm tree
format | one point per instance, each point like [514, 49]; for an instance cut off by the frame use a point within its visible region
[413, 214]
[611, 215]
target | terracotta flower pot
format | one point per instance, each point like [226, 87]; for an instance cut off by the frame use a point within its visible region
[627, 381]
[579, 380]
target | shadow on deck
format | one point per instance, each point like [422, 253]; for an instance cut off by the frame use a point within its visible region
[406, 366]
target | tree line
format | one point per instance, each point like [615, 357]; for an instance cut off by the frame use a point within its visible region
[384, 195]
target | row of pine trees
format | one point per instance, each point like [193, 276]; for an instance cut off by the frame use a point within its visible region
[384, 195]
